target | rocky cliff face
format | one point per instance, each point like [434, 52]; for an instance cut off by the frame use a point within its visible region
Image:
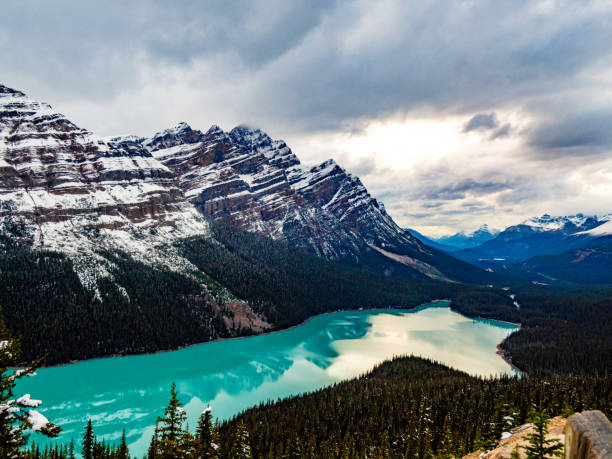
[245, 178]
[65, 189]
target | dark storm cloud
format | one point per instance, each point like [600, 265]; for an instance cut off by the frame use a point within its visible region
[585, 133]
[503, 131]
[313, 64]
[95, 49]
[484, 121]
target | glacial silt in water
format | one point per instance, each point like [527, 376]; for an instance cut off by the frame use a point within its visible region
[232, 375]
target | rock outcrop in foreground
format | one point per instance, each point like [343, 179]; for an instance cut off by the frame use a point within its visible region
[518, 438]
[586, 435]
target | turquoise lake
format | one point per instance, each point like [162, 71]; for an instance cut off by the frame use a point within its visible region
[131, 392]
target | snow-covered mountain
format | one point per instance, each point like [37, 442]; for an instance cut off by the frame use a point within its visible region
[569, 224]
[604, 229]
[245, 178]
[458, 241]
[546, 246]
[65, 189]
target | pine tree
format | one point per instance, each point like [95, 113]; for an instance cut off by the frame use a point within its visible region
[445, 446]
[241, 447]
[122, 451]
[71, 450]
[153, 450]
[539, 446]
[17, 414]
[384, 451]
[171, 432]
[99, 449]
[206, 436]
[515, 453]
[89, 441]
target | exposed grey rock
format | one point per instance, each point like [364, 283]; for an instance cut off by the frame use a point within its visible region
[588, 435]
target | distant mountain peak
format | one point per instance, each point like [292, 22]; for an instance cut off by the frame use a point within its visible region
[214, 130]
[565, 223]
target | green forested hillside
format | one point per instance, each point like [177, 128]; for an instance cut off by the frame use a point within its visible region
[563, 330]
[590, 265]
[410, 407]
[45, 304]
[144, 309]
[288, 285]
[405, 408]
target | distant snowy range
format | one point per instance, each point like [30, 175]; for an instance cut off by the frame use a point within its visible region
[547, 249]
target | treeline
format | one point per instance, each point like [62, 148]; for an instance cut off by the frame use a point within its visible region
[405, 408]
[564, 330]
[145, 309]
[288, 285]
[45, 304]
[569, 332]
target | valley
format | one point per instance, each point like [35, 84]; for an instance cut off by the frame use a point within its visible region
[197, 240]
[305, 230]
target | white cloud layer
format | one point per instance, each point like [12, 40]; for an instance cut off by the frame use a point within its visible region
[453, 113]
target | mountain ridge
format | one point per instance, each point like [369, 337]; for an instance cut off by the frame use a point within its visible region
[549, 249]
[457, 241]
[102, 239]
[245, 178]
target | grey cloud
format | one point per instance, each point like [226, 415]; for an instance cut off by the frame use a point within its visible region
[503, 131]
[484, 121]
[581, 134]
[461, 189]
[308, 66]
[363, 167]
[98, 49]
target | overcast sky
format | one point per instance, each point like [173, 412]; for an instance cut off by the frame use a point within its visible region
[454, 114]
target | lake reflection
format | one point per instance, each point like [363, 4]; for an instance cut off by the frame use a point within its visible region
[130, 392]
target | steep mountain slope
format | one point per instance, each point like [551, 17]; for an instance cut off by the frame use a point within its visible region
[246, 179]
[64, 189]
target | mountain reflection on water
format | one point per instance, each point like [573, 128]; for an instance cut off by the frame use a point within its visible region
[232, 375]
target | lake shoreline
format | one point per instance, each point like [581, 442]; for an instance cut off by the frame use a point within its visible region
[504, 355]
[280, 330]
[431, 303]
